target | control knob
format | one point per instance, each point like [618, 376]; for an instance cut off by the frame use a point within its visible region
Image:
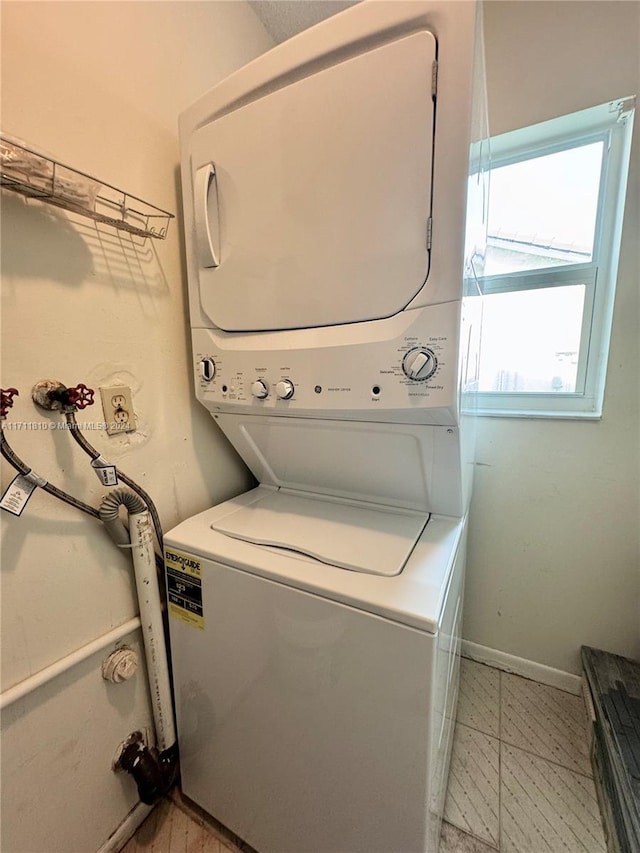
[260, 389]
[285, 389]
[207, 369]
[419, 364]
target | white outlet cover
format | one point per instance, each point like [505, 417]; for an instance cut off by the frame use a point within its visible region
[116, 402]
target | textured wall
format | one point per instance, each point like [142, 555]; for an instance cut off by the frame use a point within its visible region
[554, 555]
[98, 85]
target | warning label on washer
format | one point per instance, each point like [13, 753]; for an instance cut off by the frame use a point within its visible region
[184, 588]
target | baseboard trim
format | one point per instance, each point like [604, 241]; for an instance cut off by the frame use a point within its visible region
[126, 829]
[520, 666]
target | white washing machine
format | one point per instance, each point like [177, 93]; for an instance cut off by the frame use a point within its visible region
[334, 202]
[315, 703]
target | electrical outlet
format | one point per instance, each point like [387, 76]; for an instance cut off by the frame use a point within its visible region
[118, 409]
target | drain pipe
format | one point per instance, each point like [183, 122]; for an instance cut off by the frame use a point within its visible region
[154, 771]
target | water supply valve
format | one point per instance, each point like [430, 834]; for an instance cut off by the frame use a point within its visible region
[53, 395]
[7, 400]
[80, 396]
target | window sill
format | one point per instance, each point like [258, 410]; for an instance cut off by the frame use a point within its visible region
[546, 415]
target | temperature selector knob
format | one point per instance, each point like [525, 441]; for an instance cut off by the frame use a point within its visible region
[419, 364]
[284, 389]
[260, 389]
[207, 369]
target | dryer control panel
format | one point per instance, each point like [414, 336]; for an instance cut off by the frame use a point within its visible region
[402, 368]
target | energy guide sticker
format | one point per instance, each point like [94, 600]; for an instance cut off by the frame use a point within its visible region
[184, 588]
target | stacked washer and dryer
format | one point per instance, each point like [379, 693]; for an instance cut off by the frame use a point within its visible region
[334, 195]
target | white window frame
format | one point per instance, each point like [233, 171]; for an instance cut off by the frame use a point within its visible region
[612, 123]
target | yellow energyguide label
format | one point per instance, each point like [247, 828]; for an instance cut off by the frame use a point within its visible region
[184, 587]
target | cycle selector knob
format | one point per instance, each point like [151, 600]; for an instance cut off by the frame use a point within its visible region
[284, 389]
[207, 369]
[419, 364]
[260, 389]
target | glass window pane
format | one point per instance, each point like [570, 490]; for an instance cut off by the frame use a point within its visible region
[531, 340]
[542, 211]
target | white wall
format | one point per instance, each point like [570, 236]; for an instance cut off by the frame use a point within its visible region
[554, 553]
[99, 86]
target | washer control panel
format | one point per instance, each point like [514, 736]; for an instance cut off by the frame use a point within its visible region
[407, 362]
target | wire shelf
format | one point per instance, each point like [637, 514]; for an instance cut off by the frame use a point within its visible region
[38, 176]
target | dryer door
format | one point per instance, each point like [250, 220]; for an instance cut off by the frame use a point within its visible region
[312, 202]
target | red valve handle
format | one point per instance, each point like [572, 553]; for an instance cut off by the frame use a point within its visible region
[80, 396]
[7, 400]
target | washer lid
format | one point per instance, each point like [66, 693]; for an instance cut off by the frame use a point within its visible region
[346, 534]
[311, 202]
[415, 597]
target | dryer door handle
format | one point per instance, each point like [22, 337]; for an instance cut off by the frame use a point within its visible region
[206, 216]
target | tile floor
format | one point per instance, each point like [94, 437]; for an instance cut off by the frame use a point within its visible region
[520, 779]
[175, 827]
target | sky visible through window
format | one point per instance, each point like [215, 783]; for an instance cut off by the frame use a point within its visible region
[542, 214]
[531, 339]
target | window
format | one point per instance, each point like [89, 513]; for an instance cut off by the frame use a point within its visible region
[555, 217]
